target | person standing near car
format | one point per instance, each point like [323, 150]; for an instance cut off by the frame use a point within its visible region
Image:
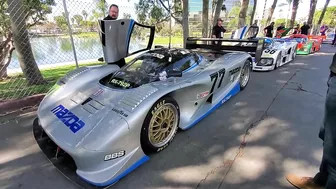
[269, 30]
[297, 29]
[113, 13]
[323, 29]
[326, 177]
[218, 31]
[281, 27]
[305, 28]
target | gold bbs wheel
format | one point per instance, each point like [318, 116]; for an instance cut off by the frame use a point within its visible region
[160, 125]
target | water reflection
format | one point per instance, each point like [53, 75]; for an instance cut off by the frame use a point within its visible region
[53, 50]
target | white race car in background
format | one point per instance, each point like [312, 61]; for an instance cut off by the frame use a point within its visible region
[276, 53]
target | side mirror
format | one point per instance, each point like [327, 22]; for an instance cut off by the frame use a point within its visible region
[174, 73]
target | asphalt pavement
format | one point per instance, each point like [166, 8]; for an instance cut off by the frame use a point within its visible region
[252, 141]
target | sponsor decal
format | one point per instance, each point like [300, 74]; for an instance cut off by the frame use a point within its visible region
[98, 92]
[233, 71]
[68, 118]
[203, 94]
[226, 99]
[114, 155]
[120, 112]
[120, 83]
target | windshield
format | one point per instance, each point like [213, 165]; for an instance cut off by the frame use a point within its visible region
[150, 66]
[268, 43]
[252, 32]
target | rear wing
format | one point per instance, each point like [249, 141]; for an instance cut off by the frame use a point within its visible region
[252, 46]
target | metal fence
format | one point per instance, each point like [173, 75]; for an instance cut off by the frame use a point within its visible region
[43, 40]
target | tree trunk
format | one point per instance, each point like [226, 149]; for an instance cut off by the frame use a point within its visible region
[205, 18]
[185, 22]
[217, 11]
[6, 50]
[294, 10]
[271, 11]
[22, 44]
[253, 11]
[311, 12]
[242, 13]
[322, 15]
[288, 11]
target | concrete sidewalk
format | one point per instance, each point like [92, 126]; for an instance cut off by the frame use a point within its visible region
[251, 142]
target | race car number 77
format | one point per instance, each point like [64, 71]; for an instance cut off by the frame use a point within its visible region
[215, 76]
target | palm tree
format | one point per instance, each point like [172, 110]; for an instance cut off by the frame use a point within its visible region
[294, 9]
[253, 11]
[311, 11]
[242, 13]
[205, 18]
[288, 11]
[322, 14]
[271, 11]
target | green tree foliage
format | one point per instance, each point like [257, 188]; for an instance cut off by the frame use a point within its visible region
[61, 22]
[34, 12]
[233, 16]
[78, 18]
[329, 16]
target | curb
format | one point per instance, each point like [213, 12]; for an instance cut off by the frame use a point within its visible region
[10, 106]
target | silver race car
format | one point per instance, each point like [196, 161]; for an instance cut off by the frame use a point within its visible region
[99, 123]
[276, 53]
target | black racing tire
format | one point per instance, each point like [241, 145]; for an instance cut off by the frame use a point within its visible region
[294, 54]
[244, 77]
[153, 114]
[277, 61]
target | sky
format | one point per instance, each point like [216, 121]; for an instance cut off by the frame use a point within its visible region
[303, 9]
[127, 6]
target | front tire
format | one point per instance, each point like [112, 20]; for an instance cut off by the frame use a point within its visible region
[160, 125]
[245, 75]
[278, 60]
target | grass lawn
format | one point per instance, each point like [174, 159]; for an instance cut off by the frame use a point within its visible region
[16, 85]
[165, 40]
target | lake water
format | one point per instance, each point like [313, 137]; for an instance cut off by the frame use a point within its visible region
[50, 51]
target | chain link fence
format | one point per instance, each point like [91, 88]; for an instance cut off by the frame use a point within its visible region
[43, 40]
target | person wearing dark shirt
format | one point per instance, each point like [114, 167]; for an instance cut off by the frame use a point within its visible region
[281, 27]
[326, 177]
[113, 15]
[218, 31]
[113, 12]
[269, 30]
[305, 28]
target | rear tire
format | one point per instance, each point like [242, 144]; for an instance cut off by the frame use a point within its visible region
[160, 125]
[245, 75]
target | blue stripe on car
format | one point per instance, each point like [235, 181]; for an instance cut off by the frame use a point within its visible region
[232, 93]
[126, 172]
[242, 33]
